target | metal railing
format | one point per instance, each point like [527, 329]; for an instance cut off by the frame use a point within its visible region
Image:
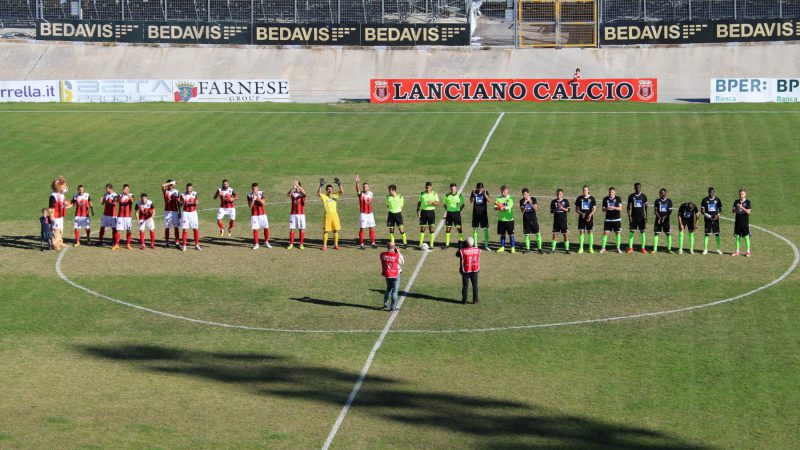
[694, 10]
[25, 12]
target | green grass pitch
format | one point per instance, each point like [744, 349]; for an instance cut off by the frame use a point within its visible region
[79, 371]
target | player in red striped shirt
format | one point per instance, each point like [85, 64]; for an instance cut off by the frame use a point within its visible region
[172, 217]
[144, 214]
[297, 218]
[188, 202]
[366, 218]
[258, 215]
[109, 219]
[124, 208]
[227, 196]
[83, 204]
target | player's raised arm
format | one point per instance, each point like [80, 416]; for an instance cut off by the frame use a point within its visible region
[299, 187]
[358, 182]
[339, 183]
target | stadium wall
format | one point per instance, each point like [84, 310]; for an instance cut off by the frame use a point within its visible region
[332, 74]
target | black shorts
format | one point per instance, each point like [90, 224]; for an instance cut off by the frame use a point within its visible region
[529, 225]
[560, 226]
[741, 229]
[395, 219]
[663, 227]
[452, 218]
[427, 217]
[480, 220]
[584, 224]
[612, 225]
[711, 226]
[689, 227]
[505, 227]
[638, 225]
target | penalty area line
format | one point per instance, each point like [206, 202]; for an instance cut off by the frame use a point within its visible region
[365, 370]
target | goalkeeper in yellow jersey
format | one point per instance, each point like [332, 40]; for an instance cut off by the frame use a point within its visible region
[331, 222]
[394, 203]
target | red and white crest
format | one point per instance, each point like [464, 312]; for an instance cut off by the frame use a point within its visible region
[645, 91]
[381, 90]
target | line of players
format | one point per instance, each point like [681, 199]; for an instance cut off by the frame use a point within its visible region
[181, 214]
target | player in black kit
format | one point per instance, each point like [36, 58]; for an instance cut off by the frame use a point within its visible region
[559, 208]
[480, 216]
[637, 216]
[710, 208]
[741, 228]
[662, 209]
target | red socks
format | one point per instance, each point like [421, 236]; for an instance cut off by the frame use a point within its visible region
[255, 237]
[152, 238]
[266, 234]
[291, 237]
[176, 236]
[141, 237]
[219, 223]
[116, 237]
[185, 234]
[361, 236]
[372, 236]
[302, 236]
[77, 235]
[196, 237]
[230, 225]
[128, 238]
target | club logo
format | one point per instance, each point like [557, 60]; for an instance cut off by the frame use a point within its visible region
[186, 91]
[381, 91]
[645, 91]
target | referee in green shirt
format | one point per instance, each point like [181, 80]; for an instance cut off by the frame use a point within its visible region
[504, 204]
[453, 204]
[394, 203]
[426, 211]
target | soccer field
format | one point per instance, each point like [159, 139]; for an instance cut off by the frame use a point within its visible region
[234, 348]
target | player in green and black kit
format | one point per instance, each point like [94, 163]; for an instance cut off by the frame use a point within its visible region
[687, 221]
[637, 216]
[530, 224]
[426, 211]
[394, 203]
[453, 205]
[480, 216]
[710, 208]
[504, 205]
[585, 206]
[662, 208]
[559, 208]
[741, 228]
[612, 206]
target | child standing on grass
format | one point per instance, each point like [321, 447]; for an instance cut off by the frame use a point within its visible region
[47, 230]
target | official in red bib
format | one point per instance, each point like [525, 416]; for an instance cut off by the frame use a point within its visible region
[470, 257]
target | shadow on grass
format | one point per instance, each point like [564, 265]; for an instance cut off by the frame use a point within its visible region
[319, 301]
[29, 242]
[421, 296]
[489, 422]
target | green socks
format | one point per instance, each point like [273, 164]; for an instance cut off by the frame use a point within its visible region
[431, 240]
[669, 242]
[580, 242]
[747, 243]
[655, 243]
[605, 240]
[553, 247]
[485, 237]
[718, 239]
[705, 243]
[447, 239]
[421, 239]
[566, 245]
[528, 242]
[591, 241]
[391, 238]
[539, 241]
[405, 241]
[475, 235]
[630, 239]
[680, 239]
[737, 239]
[691, 241]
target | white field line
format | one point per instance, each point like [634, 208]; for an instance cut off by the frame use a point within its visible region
[363, 375]
[77, 111]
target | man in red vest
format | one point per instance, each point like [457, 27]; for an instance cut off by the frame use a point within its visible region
[391, 267]
[470, 257]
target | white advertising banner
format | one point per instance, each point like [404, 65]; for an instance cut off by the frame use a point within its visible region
[116, 91]
[755, 90]
[135, 91]
[29, 91]
[231, 91]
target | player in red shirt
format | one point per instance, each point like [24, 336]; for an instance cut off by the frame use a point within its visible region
[227, 196]
[366, 217]
[109, 219]
[172, 217]
[258, 215]
[82, 203]
[188, 202]
[145, 210]
[124, 219]
[470, 256]
[297, 218]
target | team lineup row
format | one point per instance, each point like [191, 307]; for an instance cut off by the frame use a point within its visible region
[180, 213]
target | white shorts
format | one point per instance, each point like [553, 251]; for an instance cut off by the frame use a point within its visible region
[81, 223]
[189, 220]
[124, 224]
[257, 222]
[108, 221]
[149, 224]
[230, 212]
[366, 220]
[297, 222]
[171, 219]
[58, 223]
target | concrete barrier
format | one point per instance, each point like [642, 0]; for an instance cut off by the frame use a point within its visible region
[333, 74]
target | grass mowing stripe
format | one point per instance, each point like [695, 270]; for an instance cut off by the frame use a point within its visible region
[76, 111]
[363, 375]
